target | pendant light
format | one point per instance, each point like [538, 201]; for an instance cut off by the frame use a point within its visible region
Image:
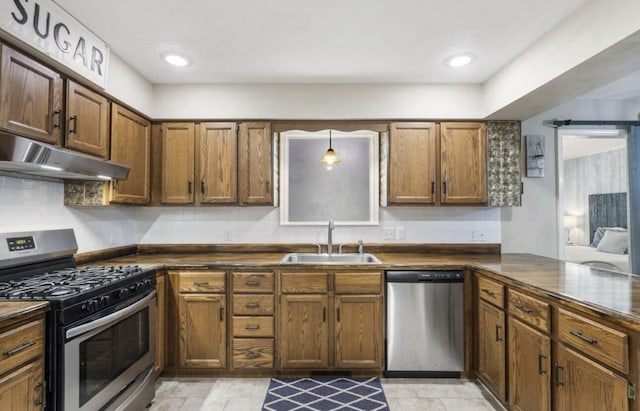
[330, 157]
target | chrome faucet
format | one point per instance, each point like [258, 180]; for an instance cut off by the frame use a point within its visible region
[330, 237]
[360, 247]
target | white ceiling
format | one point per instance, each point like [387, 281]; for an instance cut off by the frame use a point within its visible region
[575, 146]
[330, 41]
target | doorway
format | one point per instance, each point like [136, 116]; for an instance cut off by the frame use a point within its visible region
[593, 188]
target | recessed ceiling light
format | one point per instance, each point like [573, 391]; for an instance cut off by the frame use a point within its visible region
[176, 59]
[460, 60]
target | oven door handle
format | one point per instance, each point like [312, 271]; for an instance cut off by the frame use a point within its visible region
[100, 322]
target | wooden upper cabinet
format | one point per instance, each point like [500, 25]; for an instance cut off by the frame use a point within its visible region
[412, 163]
[217, 163]
[87, 121]
[130, 146]
[255, 159]
[463, 159]
[30, 98]
[178, 148]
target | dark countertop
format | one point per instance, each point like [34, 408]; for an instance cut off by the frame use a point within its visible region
[13, 309]
[603, 293]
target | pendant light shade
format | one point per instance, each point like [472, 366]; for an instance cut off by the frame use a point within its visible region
[330, 157]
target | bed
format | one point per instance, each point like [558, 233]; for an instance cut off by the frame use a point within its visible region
[609, 211]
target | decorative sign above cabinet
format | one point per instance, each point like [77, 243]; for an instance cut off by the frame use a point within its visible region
[46, 27]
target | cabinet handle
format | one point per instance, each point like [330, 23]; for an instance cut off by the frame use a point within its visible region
[221, 313]
[558, 367]
[251, 283]
[57, 124]
[338, 314]
[523, 308]
[578, 334]
[252, 327]
[115, 184]
[252, 305]
[202, 187]
[190, 187]
[488, 292]
[266, 186]
[73, 119]
[22, 347]
[201, 283]
[540, 358]
[251, 355]
[324, 314]
[444, 187]
[498, 328]
[433, 187]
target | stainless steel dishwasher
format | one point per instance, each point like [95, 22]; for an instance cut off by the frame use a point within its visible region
[424, 335]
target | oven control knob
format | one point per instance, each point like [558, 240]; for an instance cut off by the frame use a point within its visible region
[103, 301]
[90, 306]
[122, 293]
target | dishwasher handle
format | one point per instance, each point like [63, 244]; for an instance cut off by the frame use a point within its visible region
[422, 276]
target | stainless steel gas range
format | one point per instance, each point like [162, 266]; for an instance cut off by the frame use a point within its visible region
[101, 327]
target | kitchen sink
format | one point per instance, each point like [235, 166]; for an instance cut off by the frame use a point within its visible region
[311, 258]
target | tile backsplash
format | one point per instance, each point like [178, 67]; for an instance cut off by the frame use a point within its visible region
[31, 204]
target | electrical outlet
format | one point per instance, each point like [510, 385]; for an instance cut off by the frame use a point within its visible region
[400, 233]
[388, 233]
[113, 238]
[227, 235]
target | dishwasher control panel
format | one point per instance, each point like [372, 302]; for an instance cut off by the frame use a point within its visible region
[425, 275]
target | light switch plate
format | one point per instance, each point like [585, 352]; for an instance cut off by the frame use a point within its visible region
[388, 233]
[400, 233]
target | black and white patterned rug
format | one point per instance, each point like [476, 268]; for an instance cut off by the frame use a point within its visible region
[325, 394]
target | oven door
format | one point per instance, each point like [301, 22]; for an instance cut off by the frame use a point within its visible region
[103, 358]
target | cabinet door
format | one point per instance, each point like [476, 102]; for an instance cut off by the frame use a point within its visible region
[23, 389]
[358, 331]
[491, 349]
[130, 146]
[463, 159]
[218, 163]
[529, 368]
[202, 331]
[256, 171]
[303, 327]
[87, 121]
[412, 163]
[178, 147]
[30, 98]
[582, 384]
[161, 323]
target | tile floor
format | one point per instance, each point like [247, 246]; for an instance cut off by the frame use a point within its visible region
[247, 394]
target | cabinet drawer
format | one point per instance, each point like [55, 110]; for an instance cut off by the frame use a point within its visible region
[529, 310]
[253, 326]
[21, 344]
[252, 353]
[304, 282]
[252, 282]
[491, 291]
[599, 341]
[358, 283]
[248, 304]
[202, 282]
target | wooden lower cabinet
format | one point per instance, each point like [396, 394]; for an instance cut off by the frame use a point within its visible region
[304, 331]
[529, 368]
[582, 384]
[358, 331]
[491, 349]
[202, 331]
[23, 389]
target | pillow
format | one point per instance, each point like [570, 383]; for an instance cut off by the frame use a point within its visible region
[614, 242]
[599, 233]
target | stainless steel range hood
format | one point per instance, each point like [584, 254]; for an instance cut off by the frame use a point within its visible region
[25, 156]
